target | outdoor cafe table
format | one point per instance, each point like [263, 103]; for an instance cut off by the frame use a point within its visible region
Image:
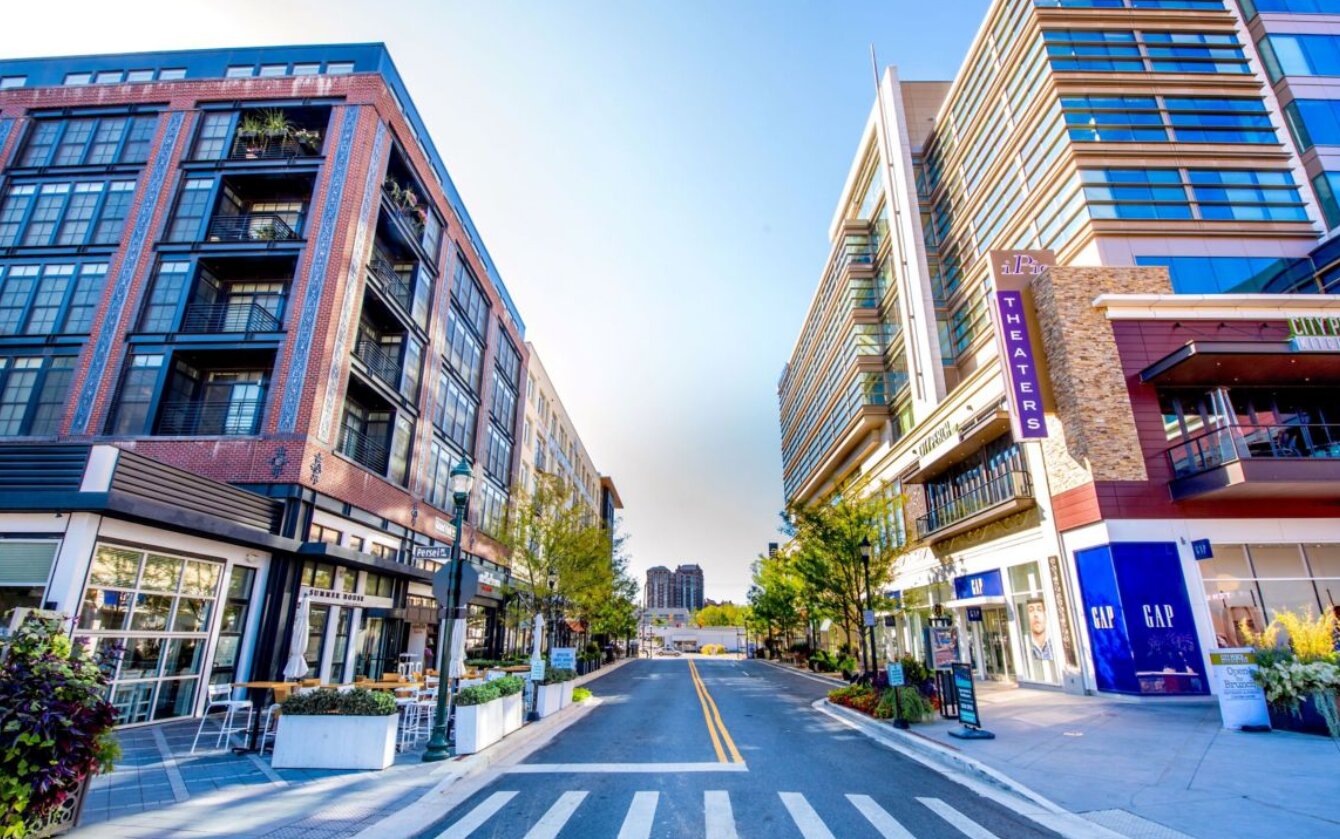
[256, 690]
[516, 668]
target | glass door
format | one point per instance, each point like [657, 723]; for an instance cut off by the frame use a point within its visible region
[996, 658]
[232, 628]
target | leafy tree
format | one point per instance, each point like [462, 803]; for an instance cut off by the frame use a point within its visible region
[722, 614]
[776, 604]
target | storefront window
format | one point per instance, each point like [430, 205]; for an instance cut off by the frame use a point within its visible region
[149, 615]
[1249, 585]
[1032, 617]
[233, 625]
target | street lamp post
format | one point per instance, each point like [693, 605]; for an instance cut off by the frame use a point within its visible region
[462, 480]
[869, 608]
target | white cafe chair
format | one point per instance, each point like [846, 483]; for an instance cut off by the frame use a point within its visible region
[220, 699]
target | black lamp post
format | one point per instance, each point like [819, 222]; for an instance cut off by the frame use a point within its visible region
[462, 480]
[553, 612]
[869, 608]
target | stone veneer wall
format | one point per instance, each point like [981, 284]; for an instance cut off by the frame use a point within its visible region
[1096, 439]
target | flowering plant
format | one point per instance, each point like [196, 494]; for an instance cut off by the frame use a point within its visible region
[1295, 660]
[55, 725]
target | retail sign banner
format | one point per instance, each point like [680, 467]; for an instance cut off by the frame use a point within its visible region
[985, 584]
[1011, 310]
[1140, 624]
[943, 650]
[1242, 702]
[1314, 334]
[967, 695]
[334, 597]
[975, 614]
[1062, 601]
[563, 658]
[1201, 549]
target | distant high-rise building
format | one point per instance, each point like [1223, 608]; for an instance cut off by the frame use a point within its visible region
[681, 588]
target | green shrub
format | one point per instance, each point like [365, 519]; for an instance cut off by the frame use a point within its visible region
[509, 685]
[915, 671]
[478, 694]
[358, 702]
[554, 675]
[913, 707]
[580, 694]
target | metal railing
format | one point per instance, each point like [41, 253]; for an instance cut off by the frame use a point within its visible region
[228, 317]
[252, 227]
[364, 449]
[1212, 449]
[998, 490]
[193, 417]
[408, 217]
[245, 149]
[383, 270]
[381, 363]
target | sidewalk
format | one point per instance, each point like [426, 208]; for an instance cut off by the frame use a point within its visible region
[159, 789]
[1125, 763]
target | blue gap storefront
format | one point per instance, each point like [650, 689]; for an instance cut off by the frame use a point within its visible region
[1141, 629]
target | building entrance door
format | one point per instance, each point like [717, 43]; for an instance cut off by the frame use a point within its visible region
[997, 659]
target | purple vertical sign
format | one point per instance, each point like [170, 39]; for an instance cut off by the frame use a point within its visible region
[1011, 271]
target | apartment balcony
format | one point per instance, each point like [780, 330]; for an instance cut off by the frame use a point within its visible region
[390, 281]
[381, 360]
[195, 418]
[1261, 461]
[254, 228]
[999, 497]
[285, 134]
[228, 318]
[364, 449]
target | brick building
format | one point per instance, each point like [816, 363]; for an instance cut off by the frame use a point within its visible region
[242, 268]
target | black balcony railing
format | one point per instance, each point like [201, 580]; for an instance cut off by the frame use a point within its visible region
[244, 148]
[1213, 449]
[383, 270]
[252, 227]
[382, 360]
[999, 490]
[222, 418]
[228, 317]
[366, 450]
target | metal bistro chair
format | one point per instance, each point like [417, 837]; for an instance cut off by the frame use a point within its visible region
[220, 699]
[425, 708]
[270, 718]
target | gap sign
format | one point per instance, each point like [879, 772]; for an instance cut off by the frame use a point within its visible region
[1010, 274]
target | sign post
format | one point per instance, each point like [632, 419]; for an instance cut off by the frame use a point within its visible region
[896, 680]
[1242, 702]
[967, 705]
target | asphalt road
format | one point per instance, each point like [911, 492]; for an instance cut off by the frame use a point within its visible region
[720, 749]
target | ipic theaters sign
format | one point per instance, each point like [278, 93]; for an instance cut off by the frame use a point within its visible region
[1011, 311]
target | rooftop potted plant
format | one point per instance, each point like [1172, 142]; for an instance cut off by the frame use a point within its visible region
[55, 729]
[328, 729]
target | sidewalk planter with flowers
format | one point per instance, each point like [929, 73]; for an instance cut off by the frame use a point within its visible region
[327, 729]
[55, 729]
[1299, 669]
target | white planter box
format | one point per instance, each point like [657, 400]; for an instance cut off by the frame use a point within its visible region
[548, 699]
[478, 726]
[335, 742]
[513, 712]
[567, 693]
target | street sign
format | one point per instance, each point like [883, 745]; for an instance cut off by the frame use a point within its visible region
[1201, 549]
[563, 658]
[869, 617]
[469, 584]
[896, 677]
[537, 670]
[967, 705]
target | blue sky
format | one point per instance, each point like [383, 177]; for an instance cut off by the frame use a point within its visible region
[655, 182]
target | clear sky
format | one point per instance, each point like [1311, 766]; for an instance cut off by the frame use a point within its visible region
[654, 181]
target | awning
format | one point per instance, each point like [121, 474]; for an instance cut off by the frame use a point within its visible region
[1243, 363]
[984, 600]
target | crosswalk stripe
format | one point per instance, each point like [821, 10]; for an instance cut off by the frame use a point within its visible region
[811, 826]
[966, 826]
[637, 824]
[720, 818]
[476, 817]
[886, 824]
[552, 822]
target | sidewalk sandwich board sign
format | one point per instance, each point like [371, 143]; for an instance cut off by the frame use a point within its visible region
[1242, 702]
[967, 705]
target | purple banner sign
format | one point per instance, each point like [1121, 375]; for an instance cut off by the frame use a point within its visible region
[1021, 370]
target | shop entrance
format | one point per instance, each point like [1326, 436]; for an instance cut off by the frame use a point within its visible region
[991, 642]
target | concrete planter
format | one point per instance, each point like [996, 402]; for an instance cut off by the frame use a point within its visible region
[513, 713]
[567, 694]
[478, 726]
[549, 698]
[331, 741]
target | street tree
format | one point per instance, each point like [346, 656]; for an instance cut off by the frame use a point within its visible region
[721, 614]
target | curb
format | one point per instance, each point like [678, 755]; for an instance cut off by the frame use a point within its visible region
[971, 773]
[826, 678]
[452, 789]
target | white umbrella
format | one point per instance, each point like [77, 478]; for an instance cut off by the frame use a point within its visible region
[456, 666]
[537, 631]
[296, 667]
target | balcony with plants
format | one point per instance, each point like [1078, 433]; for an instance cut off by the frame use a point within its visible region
[255, 210]
[288, 134]
[407, 211]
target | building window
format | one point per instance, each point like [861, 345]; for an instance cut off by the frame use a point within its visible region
[1193, 5]
[1249, 585]
[379, 585]
[78, 78]
[33, 392]
[339, 68]
[274, 69]
[469, 297]
[1314, 122]
[1140, 119]
[150, 613]
[7, 82]
[503, 409]
[1224, 274]
[1300, 55]
[321, 533]
[140, 76]
[456, 413]
[465, 352]
[171, 74]
[492, 508]
[356, 543]
[64, 213]
[1236, 194]
[240, 71]
[50, 299]
[1326, 185]
[236, 609]
[306, 69]
[109, 77]
[386, 552]
[130, 415]
[165, 296]
[1087, 50]
[498, 456]
[193, 205]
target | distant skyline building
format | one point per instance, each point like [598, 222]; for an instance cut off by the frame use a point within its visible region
[681, 588]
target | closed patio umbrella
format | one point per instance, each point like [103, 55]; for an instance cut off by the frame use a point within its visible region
[456, 666]
[537, 637]
[296, 667]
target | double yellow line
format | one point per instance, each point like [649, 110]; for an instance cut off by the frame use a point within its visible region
[715, 726]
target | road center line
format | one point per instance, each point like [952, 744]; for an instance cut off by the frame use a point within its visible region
[725, 734]
[707, 714]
